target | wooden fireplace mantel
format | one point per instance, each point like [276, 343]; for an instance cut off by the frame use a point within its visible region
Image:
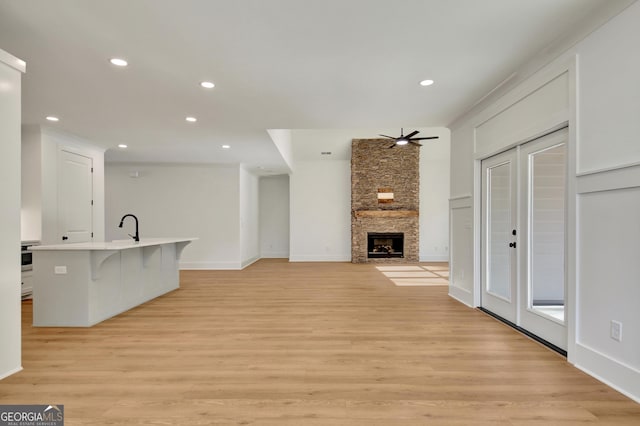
[385, 213]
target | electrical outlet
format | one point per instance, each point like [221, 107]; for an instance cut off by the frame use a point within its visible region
[59, 270]
[616, 330]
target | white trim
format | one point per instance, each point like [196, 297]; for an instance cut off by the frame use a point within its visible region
[609, 180]
[623, 378]
[15, 370]
[608, 169]
[249, 261]
[70, 142]
[477, 231]
[210, 266]
[320, 258]
[524, 89]
[274, 255]
[571, 221]
[461, 202]
[13, 62]
[461, 295]
[530, 134]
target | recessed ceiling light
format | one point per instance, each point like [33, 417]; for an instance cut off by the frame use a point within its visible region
[426, 82]
[52, 118]
[118, 62]
[207, 85]
[226, 146]
[122, 145]
[191, 119]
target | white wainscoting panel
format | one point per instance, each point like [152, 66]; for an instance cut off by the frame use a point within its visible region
[610, 95]
[461, 249]
[608, 286]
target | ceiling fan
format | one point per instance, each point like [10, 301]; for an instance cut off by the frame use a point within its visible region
[405, 139]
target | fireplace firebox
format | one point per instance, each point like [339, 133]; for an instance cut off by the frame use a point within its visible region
[385, 244]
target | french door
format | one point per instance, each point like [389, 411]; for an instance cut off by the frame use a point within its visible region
[523, 236]
[499, 223]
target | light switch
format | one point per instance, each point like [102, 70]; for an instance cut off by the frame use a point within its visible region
[58, 270]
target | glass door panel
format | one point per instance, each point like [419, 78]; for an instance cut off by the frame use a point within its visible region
[499, 236]
[547, 212]
[543, 193]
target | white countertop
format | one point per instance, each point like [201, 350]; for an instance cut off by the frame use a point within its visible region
[113, 245]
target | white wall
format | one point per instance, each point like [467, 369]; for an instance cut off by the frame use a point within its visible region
[249, 218]
[10, 325]
[274, 216]
[282, 140]
[321, 193]
[179, 201]
[320, 211]
[603, 235]
[40, 149]
[31, 204]
[434, 198]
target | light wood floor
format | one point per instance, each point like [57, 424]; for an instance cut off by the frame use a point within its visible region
[305, 344]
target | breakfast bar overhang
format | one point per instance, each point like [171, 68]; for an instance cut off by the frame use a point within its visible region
[82, 284]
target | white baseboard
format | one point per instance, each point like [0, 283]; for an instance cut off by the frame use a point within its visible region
[220, 266]
[275, 255]
[461, 295]
[623, 378]
[210, 265]
[320, 258]
[10, 372]
[248, 262]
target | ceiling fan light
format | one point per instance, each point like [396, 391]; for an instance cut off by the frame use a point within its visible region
[402, 142]
[119, 62]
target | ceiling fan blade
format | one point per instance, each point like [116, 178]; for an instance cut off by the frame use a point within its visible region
[415, 143]
[415, 132]
[428, 137]
[390, 137]
[392, 146]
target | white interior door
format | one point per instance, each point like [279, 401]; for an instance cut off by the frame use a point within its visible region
[543, 170]
[75, 198]
[499, 220]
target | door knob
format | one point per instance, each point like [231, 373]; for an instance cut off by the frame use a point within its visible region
[64, 237]
[512, 245]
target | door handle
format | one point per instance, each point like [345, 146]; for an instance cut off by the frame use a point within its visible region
[512, 245]
[64, 238]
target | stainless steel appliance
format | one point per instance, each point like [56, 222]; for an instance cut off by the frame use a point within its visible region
[27, 256]
[27, 268]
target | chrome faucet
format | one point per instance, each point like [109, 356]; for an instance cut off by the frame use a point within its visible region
[135, 237]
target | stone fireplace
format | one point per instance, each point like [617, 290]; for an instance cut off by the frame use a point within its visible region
[385, 187]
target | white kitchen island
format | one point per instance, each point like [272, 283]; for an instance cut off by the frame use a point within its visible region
[82, 284]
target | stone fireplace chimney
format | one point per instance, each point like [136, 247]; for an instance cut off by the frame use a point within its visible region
[385, 188]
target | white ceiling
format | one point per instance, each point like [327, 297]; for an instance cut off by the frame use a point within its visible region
[281, 64]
